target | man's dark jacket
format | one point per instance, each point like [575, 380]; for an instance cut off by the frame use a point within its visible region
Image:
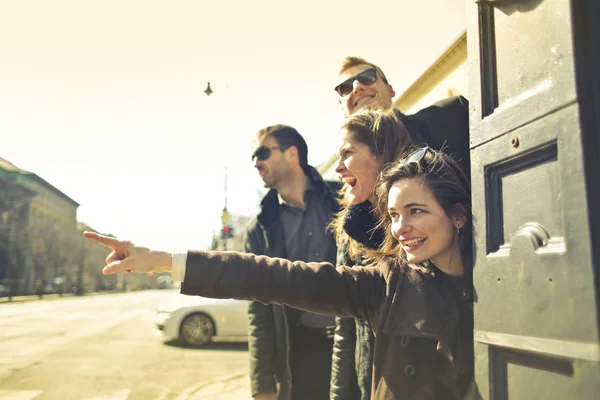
[444, 125]
[269, 324]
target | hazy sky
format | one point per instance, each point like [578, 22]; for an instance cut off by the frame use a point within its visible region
[104, 99]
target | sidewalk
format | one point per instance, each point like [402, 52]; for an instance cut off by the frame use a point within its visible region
[232, 387]
[21, 299]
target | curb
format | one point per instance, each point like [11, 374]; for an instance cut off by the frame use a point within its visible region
[52, 296]
[27, 298]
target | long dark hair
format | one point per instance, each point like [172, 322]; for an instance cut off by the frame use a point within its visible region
[450, 187]
[387, 138]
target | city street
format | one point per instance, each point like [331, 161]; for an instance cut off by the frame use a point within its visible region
[105, 346]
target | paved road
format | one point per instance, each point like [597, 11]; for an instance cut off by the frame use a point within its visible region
[105, 347]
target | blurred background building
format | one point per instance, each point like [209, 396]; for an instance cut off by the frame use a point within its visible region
[42, 248]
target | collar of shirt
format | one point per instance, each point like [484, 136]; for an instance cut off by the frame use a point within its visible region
[310, 188]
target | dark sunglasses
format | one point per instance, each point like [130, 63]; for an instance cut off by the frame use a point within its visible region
[367, 77]
[417, 155]
[263, 152]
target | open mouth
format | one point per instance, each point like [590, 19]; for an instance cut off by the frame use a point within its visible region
[413, 244]
[349, 180]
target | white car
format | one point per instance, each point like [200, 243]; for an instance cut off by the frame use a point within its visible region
[196, 320]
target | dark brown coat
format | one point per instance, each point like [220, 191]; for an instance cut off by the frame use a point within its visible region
[422, 322]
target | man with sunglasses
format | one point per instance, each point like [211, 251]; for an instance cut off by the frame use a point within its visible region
[442, 126]
[290, 350]
[363, 86]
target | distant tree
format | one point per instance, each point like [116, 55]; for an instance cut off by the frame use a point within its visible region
[55, 247]
[14, 236]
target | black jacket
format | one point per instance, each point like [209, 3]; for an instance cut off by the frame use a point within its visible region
[444, 125]
[269, 324]
[352, 359]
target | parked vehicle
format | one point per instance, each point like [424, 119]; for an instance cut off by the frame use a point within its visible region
[49, 288]
[197, 320]
[164, 282]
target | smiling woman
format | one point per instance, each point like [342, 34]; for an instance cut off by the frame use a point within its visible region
[429, 212]
[421, 225]
[421, 313]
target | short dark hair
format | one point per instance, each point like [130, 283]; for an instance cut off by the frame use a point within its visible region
[286, 136]
[352, 61]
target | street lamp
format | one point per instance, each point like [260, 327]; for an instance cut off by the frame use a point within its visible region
[208, 90]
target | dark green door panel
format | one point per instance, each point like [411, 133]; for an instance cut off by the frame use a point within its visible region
[536, 274]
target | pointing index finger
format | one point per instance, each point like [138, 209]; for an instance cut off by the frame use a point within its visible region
[107, 241]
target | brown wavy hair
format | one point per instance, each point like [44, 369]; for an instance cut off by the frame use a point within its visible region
[387, 138]
[450, 187]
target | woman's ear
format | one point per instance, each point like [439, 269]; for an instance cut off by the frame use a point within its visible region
[459, 222]
[460, 217]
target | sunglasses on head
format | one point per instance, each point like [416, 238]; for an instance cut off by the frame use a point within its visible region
[417, 155]
[367, 77]
[264, 152]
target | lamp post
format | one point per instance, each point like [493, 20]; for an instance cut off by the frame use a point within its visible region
[226, 231]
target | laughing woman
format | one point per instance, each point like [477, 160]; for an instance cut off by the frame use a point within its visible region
[369, 140]
[415, 295]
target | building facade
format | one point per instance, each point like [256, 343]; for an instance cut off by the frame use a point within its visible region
[39, 233]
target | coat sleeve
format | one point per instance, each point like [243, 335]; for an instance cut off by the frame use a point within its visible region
[344, 383]
[316, 287]
[261, 333]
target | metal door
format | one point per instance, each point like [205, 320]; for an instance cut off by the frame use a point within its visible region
[534, 114]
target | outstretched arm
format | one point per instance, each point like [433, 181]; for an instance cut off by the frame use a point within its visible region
[317, 287]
